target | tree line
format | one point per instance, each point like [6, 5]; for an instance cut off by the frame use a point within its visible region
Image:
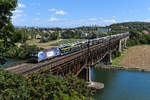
[42, 86]
[139, 32]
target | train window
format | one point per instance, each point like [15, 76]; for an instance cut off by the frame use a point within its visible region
[35, 54]
[41, 54]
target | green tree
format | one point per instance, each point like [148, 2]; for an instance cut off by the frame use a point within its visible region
[42, 86]
[6, 28]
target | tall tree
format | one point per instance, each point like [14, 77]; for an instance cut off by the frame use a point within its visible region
[6, 27]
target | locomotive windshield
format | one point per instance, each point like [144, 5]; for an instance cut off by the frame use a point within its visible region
[35, 54]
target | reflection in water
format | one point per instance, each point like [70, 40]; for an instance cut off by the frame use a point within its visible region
[122, 85]
[10, 61]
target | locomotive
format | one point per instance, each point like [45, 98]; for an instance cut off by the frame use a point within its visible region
[42, 55]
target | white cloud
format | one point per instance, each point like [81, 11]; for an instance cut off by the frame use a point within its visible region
[21, 5]
[61, 12]
[148, 8]
[16, 16]
[36, 19]
[114, 17]
[126, 21]
[92, 19]
[52, 19]
[147, 20]
[18, 11]
[57, 12]
[110, 21]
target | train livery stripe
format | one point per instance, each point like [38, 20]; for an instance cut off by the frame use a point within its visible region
[71, 47]
[46, 55]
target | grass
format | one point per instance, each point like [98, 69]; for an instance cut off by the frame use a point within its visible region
[37, 42]
[33, 41]
[52, 43]
[115, 61]
[65, 41]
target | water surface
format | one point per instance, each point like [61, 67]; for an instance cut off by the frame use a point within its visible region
[9, 62]
[122, 85]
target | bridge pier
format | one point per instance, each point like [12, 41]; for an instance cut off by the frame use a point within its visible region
[110, 57]
[120, 46]
[88, 74]
[126, 41]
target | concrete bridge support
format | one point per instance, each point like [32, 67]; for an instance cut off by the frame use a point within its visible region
[126, 41]
[120, 46]
[88, 74]
[109, 58]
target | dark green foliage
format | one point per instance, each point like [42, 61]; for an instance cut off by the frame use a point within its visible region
[41, 87]
[68, 34]
[6, 28]
[6, 6]
[115, 54]
[139, 32]
[25, 51]
[76, 34]
[20, 35]
[12, 86]
[128, 26]
[49, 36]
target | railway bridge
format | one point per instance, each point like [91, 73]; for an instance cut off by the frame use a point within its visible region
[75, 63]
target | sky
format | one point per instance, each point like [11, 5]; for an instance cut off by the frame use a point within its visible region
[75, 13]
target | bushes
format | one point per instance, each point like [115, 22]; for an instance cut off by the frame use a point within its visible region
[138, 38]
[41, 87]
[139, 32]
[24, 52]
[19, 36]
[49, 36]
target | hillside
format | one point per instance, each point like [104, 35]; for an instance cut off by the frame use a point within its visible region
[137, 56]
[140, 32]
[129, 26]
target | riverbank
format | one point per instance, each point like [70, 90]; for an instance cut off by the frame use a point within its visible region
[134, 57]
[111, 67]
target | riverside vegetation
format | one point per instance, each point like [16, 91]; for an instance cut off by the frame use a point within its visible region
[139, 35]
[45, 86]
[42, 87]
[38, 87]
[139, 32]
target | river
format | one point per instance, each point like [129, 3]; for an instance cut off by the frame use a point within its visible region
[10, 61]
[122, 85]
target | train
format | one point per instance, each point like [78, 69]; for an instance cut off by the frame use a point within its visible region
[61, 50]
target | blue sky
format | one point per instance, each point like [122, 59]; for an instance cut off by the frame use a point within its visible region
[74, 13]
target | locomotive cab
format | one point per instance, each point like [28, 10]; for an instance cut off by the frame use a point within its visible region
[35, 56]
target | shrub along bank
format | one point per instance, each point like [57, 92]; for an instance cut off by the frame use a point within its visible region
[41, 87]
